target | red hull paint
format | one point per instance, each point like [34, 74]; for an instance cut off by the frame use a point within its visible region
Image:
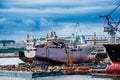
[114, 68]
[28, 60]
[83, 68]
[69, 68]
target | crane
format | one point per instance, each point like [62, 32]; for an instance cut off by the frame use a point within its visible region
[64, 46]
[111, 27]
[94, 41]
[68, 56]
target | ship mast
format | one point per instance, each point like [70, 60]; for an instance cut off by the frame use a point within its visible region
[111, 27]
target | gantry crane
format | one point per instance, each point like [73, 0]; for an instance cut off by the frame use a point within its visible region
[111, 27]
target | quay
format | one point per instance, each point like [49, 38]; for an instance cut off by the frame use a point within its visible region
[101, 75]
[24, 72]
[81, 72]
[97, 71]
[28, 75]
[16, 74]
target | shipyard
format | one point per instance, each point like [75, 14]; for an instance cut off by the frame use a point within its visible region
[59, 40]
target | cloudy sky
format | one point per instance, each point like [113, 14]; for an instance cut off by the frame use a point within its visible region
[38, 17]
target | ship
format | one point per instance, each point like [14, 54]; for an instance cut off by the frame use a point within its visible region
[52, 50]
[113, 50]
[112, 47]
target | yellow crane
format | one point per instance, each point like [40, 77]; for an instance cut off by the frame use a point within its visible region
[94, 41]
[67, 54]
[62, 44]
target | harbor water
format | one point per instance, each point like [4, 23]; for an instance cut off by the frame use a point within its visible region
[63, 77]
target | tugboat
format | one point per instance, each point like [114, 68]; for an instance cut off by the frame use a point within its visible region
[112, 48]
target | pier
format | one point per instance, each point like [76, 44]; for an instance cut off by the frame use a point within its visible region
[99, 75]
[35, 72]
[28, 75]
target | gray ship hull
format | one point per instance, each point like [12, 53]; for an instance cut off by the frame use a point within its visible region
[58, 55]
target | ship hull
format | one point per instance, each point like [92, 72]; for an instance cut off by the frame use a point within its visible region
[113, 50]
[50, 55]
[24, 58]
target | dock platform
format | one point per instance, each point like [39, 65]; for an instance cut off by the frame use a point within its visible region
[28, 75]
[101, 75]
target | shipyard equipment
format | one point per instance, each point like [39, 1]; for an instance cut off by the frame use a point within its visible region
[111, 27]
[64, 46]
[112, 49]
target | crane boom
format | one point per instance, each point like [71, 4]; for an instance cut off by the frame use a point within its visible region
[111, 29]
[113, 10]
[64, 46]
[68, 56]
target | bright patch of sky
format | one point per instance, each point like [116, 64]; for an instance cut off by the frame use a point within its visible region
[39, 17]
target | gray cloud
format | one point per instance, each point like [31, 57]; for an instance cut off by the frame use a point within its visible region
[38, 17]
[57, 2]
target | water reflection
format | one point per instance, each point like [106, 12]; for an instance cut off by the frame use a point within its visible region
[72, 77]
[116, 79]
[64, 77]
